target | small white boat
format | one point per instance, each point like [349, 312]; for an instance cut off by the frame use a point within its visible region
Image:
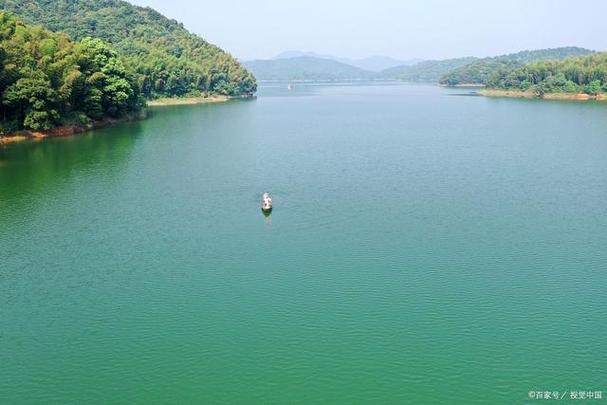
[290, 87]
[266, 203]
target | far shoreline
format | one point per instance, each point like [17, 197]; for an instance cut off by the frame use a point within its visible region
[169, 101]
[547, 96]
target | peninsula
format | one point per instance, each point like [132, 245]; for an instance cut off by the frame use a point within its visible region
[577, 78]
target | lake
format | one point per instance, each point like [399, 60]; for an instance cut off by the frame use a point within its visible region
[425, 247]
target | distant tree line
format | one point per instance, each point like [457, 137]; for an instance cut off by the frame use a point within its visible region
[480, 71]
[429, 71]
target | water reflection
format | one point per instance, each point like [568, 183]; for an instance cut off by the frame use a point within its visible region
[32, 168]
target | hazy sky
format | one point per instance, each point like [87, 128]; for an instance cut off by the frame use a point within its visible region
[403, 29]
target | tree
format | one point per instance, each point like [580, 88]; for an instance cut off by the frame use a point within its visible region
[593, 88]
[33, 100]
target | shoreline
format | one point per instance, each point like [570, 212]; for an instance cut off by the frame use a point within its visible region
[67, 130]
[170, 101]
[547, 96]
[463, 86]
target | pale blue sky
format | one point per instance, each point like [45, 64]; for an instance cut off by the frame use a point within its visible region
[425, 29]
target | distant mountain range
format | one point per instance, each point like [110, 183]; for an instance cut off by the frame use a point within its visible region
[429, 71]
[305, 68]
[309, 66]
[371, 63]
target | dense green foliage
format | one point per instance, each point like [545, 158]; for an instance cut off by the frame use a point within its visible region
[46, 79]
[169, 60]
[305, 68]
[479, 72]
[586, 74]
[425, 72]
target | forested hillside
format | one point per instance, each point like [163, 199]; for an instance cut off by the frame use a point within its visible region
[47, 80]
[587, 74]
[168, 60]
[425, 72]
[479, 72]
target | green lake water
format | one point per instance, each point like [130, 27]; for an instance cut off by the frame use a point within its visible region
[425, 247]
